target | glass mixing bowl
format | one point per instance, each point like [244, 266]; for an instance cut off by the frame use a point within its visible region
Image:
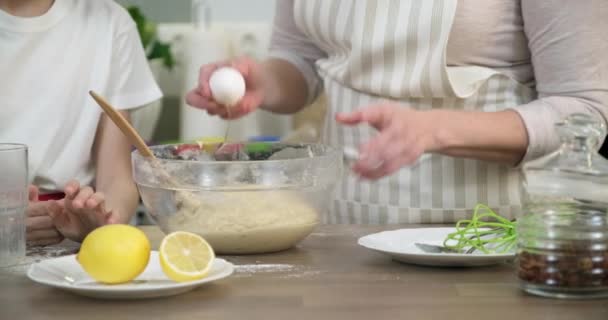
[253, 198]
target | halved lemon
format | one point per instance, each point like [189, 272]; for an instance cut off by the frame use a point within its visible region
[185, 256]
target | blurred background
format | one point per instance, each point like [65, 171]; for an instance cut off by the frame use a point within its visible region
[180, 36]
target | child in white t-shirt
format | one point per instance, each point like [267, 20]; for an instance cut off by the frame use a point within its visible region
[52, 53]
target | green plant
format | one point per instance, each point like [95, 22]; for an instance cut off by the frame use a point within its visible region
[155, 49]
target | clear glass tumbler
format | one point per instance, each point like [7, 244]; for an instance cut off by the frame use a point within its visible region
[13, 202]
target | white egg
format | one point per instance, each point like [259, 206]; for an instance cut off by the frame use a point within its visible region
[227, 86]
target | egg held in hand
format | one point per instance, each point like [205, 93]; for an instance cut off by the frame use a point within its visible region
[227, 86]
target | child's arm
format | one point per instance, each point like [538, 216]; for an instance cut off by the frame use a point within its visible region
[112, 155]
[115, 197]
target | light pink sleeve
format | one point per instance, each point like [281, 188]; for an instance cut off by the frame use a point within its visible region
[569, 45]
[289, 43]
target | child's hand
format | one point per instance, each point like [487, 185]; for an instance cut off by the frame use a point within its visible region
[40, 229]
[80, 212]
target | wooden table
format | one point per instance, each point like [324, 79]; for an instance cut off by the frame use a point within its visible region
[328, 276]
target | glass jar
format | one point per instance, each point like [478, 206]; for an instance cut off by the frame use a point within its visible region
[563, 237]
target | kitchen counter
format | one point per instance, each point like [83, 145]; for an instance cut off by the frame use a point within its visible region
[328, 276]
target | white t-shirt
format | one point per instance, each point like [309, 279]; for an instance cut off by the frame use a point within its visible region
[48, 64]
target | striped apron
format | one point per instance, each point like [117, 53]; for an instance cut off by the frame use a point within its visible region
[395, 51]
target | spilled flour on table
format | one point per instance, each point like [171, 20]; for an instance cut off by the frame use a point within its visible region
[280, 270]
[249, 269]
[37, 254]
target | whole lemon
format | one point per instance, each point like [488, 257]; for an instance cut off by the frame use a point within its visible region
[115, 253]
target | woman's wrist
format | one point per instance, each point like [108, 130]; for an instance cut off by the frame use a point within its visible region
[496, 136]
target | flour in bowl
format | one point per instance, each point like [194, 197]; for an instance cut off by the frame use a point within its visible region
[240, 222]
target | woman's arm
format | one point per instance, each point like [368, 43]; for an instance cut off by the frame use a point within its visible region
[285, 83]
[112, 154]
[569, 46]
[568, 41]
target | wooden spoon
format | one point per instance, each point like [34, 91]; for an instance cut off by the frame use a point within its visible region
[183, 199]
[124, 126]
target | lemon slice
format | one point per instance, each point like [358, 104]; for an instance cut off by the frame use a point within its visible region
[185, 256]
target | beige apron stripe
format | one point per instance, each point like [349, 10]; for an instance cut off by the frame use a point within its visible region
[320, 34]
[482, 166]
[503, 174]
[418, 215]
[331, 23]
[449, 13]
[342, 98]
[390, 47]
[403, 215]
[423, 52]
[470, 166]
[415, 179]
[368, 60]
[353, 72]
[457, 172]
[393, 215]
[344, 31]
[349, 212]
[356, 213]
[400, 67]
[495, 89]
[339, 216]
[459, 215]
[400, 183]
[383, 214]
[365, 213]
[411, 46]
[354, 132]
[394, 183]
[426, 166]
[428, 90]
[363, 134]
[335, 210]
[306, 8]
[437, 181]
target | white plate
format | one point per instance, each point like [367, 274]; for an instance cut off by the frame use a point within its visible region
[65, 273]
[399, 244]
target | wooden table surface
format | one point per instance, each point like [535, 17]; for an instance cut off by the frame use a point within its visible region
[328, 276]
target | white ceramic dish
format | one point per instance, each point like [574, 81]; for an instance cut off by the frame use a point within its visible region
[65, 273]
[400, 245]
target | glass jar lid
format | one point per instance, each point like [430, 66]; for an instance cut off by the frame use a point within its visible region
[575, 171]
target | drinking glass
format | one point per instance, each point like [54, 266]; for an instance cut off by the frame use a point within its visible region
[13, 202]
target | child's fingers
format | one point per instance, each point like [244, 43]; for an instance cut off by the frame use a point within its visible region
[71, 189]
[95, 200]
[39, 223]
[43, 234]
[83, 195]
[59, 216]
[33, 193]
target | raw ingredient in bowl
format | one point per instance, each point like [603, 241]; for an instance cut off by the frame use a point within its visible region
[114, 253]
[248, 221]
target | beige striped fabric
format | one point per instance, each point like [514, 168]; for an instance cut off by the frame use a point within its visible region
[395, 50]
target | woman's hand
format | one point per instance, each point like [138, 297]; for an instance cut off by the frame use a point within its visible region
[40, 230]
[201, 97]
[404, 135]
[80, 212]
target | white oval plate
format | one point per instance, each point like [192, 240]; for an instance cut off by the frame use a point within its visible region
[399, 244]
[65, 273]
